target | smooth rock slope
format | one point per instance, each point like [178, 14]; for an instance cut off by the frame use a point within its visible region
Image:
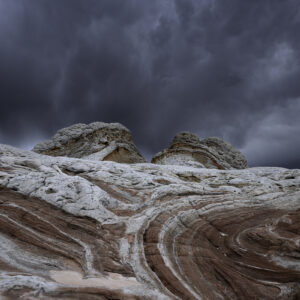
[73, 228]
[95, 141]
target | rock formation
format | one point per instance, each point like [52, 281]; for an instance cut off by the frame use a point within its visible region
[95, 141]
[74, 228]
[186, 149]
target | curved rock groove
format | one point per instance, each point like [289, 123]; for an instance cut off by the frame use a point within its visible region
[230, 254]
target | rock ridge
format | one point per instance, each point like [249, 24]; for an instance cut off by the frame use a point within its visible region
[113, 142]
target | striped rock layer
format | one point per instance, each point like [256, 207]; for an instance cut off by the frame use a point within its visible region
[72, 228]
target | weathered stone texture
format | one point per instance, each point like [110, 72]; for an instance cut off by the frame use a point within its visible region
[72, 228]
[96, 141]
[187, 149]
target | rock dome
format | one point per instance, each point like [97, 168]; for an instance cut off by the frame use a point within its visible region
[213, 153]
[96, 141]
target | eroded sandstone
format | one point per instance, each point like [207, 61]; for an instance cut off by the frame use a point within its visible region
[95, 141]
[73, 228]
[188, 150]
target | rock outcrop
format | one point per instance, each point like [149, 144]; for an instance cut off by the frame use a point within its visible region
[73, 228]
[188, 150]
[95, 141]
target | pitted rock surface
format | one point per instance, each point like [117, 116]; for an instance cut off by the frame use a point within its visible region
[72, 228]
[96, 141]
[188, 150]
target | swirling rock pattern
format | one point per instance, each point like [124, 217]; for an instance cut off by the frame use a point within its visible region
[81, 229]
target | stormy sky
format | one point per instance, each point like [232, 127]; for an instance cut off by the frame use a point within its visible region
[216, 68]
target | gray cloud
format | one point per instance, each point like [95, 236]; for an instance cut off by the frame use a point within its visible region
[222, 68]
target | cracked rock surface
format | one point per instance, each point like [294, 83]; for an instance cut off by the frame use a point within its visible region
[74, 228]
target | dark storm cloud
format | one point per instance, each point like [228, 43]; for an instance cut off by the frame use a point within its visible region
[223, 68]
